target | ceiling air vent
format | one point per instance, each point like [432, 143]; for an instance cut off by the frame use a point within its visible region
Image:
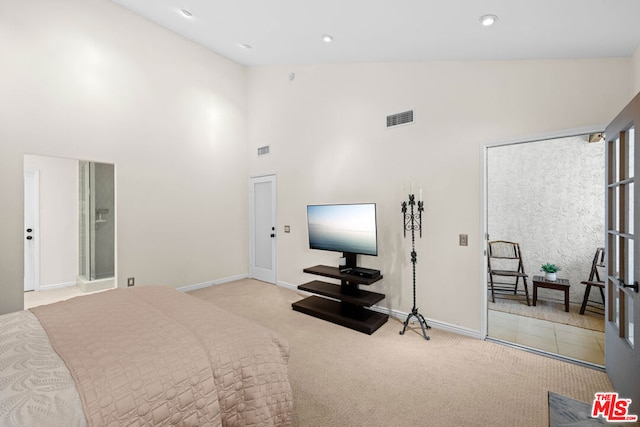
[400, 119]
[263, 151]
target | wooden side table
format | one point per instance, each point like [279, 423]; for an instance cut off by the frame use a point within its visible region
[559, 285]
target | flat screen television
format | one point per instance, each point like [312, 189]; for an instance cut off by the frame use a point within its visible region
[347, 228]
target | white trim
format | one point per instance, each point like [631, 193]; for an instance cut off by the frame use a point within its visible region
[483, 241]
[202, 285]
[484, 207]
[393, 313]
[550, 135]
[290, 286]
[57, 286]
[33, 198]
[115, 225]
[400, 315]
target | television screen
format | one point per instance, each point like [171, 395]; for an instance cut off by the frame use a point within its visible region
[343, 228]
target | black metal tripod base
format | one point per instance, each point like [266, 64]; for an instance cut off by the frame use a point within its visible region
[423, 323]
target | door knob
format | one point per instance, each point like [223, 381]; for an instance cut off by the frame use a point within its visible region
[273, 235]
[634, 286]
[29, 230]
[29, 237]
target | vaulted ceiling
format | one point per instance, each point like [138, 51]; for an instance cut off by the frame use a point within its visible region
[262, 32]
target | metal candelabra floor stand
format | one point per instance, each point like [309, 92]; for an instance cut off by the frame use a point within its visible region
[411, 223]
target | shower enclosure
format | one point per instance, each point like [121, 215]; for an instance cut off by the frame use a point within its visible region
[96, 226]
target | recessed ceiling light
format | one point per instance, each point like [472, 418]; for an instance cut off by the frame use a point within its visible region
[488, 20]
[245, 46]
[186, 13]
[327, 38]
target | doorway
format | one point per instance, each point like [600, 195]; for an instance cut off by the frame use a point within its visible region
[262, 228]
[546, 196]
[53, 229]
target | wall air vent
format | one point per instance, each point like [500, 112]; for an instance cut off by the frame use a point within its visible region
[400, 119]
[263, 151]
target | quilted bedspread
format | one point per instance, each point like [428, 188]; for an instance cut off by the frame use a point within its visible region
[155, 356]
[36, 388]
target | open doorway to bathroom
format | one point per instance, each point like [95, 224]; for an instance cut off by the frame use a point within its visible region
[69, 228]
[548, 197]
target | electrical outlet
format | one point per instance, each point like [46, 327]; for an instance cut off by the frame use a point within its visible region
[287, 229]
[131, 281]
[464, 240]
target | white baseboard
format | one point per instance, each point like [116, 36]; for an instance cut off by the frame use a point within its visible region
[190, 288]
[403, 316]
[400, 315]
[393, 313]
[56, 286]
[289, 286]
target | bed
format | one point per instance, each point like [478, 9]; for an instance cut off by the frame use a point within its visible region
[140, 356]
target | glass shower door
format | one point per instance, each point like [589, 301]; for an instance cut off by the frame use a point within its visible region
[97, 221]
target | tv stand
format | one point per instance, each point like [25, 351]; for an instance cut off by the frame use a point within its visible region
[349, 309]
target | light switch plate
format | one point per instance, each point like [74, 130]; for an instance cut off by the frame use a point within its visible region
[464, 240]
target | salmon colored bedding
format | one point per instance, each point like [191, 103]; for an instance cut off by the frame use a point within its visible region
[155, 356]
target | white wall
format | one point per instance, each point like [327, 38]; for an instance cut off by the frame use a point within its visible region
[549, 197]
[58, 230]
[90, 80]
[329, 144]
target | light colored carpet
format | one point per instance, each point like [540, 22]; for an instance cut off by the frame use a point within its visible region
[341, 377]
[551, 310]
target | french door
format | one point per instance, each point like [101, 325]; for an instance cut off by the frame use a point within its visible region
[622, 313]
[262, 228]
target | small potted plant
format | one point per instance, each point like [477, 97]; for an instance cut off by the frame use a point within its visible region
[550, 271]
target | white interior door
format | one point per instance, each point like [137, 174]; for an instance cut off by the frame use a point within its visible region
[31, 230]
[262, 228]
[622, 314]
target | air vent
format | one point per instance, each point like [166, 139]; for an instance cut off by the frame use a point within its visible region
[400, 119]
[263, 151]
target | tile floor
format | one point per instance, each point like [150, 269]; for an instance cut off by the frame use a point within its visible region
[34, 299]
[557, 338]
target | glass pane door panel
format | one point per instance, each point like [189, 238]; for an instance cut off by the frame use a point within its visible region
[616, 161]
[616, 303]
[631, 147]
[629, 317]
[616, 207]
[616, 253]
[630, 201]
[629, 276]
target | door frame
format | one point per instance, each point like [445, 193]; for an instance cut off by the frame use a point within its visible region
[484, 205]
[31, 208]
[252, 217]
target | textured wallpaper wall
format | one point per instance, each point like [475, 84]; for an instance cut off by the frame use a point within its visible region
[549, 197]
